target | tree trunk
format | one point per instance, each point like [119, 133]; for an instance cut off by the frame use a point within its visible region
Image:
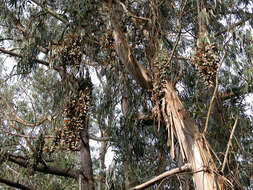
[101, 181]
[193, 146]
[87, 182]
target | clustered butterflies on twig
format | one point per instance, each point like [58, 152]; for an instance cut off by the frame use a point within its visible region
[75, 120]
[206, 62]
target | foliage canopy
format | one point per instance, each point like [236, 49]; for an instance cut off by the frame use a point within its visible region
[56, 45]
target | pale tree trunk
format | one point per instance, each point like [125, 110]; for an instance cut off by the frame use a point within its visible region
[101, 181]
[193, 146]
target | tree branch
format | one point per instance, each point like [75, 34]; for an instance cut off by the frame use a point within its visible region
[179, 32]
[14, 184]
[20, 56]
[95, 138]
[233, 93]
[234, 25]
[3, 39]
[49, 11]
[24, 122]
[213, 97]
[130, 13]
[140, 73]
[229, 143]
[23, 162]
[20, 27]
[182, 169]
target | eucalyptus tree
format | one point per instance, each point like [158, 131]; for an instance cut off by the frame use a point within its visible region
[173, 77]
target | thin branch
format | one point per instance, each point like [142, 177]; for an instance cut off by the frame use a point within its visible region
[16, 118]
[95, 138]
[4, 39]
[234, 25]
[178, 34]
[15, 184]
[178, 75]
[100, 78]
[130, 13]
[49, 11]
[229, 143]
[20, 56]
[213, 96]
[16, 23]
[179, 170]
[29, 136]
[18, 135]
[233, 93]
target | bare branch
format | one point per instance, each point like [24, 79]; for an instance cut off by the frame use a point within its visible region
[179, 170]
[178, 75]
[216, 86]
[140, 73]
[213, 97]
[16, 118]
[130, 13]
[92, 137]
[15, 184]
[21, 161]
[4, 39]
[234, 25]
[229, 143]
[49, 11]
[178, 34]
[20, 56]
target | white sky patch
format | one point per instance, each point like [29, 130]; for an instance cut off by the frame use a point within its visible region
[9, 63]
[249, 102]
[108, 156]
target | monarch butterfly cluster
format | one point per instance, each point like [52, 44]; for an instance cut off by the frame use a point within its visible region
[106, 43]
[160, 66]
[206, 63]
[159, 80]
[70, 50]
[74, 122]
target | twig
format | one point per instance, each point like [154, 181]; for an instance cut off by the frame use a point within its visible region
[216, 87]
[213, 97]
[130, 13]
[229, 143]
[19, 135]
[182, 169]
[95, 138]
[234, 25]
[49, 11]
[160, 184]
[178, 75]
[20, 56]
[3, 39]
[179, 33]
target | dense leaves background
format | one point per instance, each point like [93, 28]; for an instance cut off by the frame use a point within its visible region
[38, 37]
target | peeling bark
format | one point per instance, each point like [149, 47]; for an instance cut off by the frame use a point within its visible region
[193, 146]
[139, 73]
